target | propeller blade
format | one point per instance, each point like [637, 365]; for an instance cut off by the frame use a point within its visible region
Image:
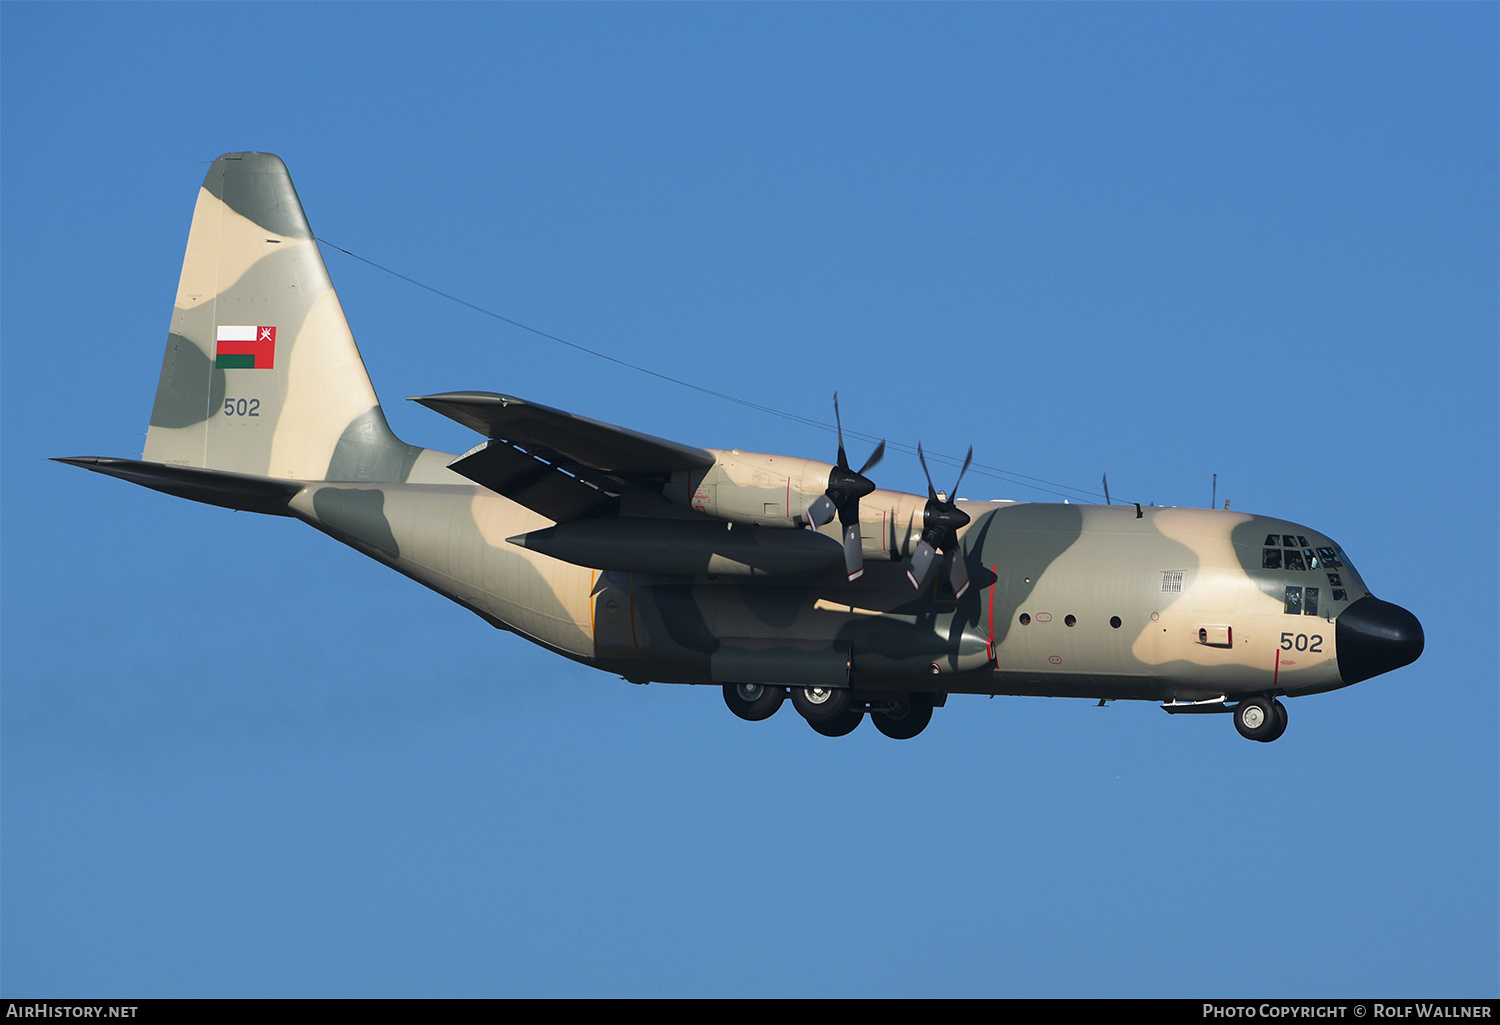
[958, 575]
[875, 457]
[821, 511]
[854, 558]
[953, 495]
[838, 422]
[931, 491]
[921, 565]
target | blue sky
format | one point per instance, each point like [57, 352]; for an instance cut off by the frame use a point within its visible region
[1158, 241]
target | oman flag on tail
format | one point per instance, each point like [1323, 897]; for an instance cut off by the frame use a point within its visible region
[246, 348]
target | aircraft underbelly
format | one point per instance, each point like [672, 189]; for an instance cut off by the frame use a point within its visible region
[452, 539]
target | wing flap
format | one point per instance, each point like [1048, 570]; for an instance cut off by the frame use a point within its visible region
[528, 480]
[566, 438]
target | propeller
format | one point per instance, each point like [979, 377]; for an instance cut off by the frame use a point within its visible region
[845, 488]
[941, 521]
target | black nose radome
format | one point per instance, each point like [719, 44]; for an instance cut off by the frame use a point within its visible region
[1374, 637]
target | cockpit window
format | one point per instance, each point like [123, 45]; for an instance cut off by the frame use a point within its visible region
[1302, 540]
[1273, 539]
[1312, 560]
[1271, 558]
[1294, 559]
[1304, 600]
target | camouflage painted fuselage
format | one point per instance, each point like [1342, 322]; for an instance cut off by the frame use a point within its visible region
[664, 562]
[1088, 601]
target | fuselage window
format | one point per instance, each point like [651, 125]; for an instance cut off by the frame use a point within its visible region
[1294, 601]
[1271, 559]
[1310, 601]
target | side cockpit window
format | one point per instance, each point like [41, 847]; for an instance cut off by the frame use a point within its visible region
[1271, 558]
[1303, 600]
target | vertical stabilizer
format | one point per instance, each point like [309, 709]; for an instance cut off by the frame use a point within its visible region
[261, 374]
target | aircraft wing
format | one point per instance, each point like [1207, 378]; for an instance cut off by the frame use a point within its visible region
[557, 463]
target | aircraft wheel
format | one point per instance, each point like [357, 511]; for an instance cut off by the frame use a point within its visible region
[820, 704]
[840, 725]
[753, 701]
[1280, 726]
[1256, 719]
[906, 719]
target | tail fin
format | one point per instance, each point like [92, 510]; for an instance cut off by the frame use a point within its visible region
[261, 375]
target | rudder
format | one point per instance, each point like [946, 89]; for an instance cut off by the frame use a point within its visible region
[261, 374]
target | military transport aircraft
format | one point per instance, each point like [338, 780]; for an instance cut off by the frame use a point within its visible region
[664, 562]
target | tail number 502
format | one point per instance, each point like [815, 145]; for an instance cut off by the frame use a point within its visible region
[242, 407]
[1302, 642]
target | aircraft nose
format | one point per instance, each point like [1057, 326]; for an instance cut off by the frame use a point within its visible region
[1374, 637]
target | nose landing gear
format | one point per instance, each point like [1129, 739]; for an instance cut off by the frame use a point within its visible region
[1260, 718]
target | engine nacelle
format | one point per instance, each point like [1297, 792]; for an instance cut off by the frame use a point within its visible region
[751, 487]
[775, 491]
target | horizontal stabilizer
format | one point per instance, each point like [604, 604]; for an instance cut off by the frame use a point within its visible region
[563, 437]
[212, 487]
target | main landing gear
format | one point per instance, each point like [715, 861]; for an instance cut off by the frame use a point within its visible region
[1260, 718]
[753, 701]
[832, 711]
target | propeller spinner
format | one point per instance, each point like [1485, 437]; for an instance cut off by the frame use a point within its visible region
[845, 488]
[941, 521]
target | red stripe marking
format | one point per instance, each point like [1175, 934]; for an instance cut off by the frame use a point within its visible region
[996, 571]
